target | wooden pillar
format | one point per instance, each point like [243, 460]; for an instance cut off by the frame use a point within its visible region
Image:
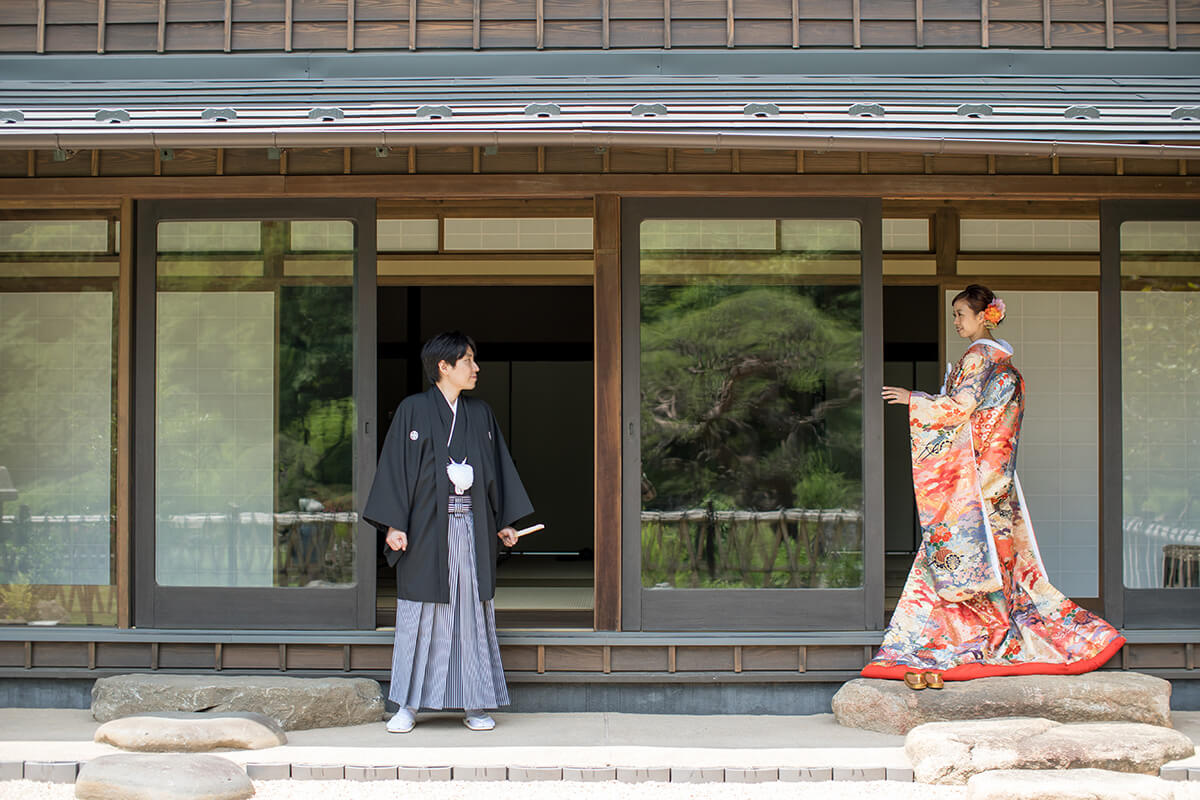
[607, 365]
[124, 443]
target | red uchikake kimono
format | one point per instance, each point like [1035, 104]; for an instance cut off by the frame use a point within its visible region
[977, 602]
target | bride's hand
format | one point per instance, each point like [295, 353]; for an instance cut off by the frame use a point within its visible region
[895, 394]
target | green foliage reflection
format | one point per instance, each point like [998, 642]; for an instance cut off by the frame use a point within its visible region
[751, 403]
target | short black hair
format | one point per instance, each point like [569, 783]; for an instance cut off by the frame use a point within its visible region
[449, 347]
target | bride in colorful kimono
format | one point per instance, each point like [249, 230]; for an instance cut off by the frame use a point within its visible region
[977, 602]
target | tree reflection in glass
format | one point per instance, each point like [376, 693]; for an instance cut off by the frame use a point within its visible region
[751, 416]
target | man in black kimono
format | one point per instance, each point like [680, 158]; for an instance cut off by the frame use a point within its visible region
[447, 494]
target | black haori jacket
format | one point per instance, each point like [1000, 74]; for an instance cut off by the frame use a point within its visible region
[411, 492]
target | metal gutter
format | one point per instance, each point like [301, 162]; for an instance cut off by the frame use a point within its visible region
[590, 138]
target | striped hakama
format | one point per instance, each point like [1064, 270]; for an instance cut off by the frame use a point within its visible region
[446, 654]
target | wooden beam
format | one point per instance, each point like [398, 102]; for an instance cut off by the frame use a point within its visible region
[729, 23]
[412, 24]
[101, 24]
[228, 26]
[288, 14]
[984, 22]
[124, 443]
[476, 16]
[41, 26]
[529, 185]
[1046, 24]
[795, 23]
[1172, 25]
[541, 24]
[920, 18]
[162, 26]
[607, 366]
[350, 11]
[945, 240]
[1109, 32]
[605, 23]
[856, 22]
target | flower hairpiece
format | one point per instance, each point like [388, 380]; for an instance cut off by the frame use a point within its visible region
[993, 315]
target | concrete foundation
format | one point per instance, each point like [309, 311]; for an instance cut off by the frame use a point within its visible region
[633, 698]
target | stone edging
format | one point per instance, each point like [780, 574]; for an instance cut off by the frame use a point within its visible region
[66, 771]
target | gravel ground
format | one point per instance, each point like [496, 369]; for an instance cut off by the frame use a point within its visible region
[552, 790]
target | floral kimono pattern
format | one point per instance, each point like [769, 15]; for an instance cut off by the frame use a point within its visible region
[977, 602]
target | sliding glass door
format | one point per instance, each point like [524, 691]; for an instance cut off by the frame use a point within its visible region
[751, 330]
[255, 414]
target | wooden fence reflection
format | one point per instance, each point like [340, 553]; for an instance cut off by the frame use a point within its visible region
[788, 548]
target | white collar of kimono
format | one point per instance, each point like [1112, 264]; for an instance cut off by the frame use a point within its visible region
[453, 419]
[999, 344]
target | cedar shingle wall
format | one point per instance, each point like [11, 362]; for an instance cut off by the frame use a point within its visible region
[89, 26]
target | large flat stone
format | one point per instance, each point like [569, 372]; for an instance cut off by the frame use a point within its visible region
[952, 752]
[1110, 696]
[1074, 784]
[192, 732]
[294, 703]
[177, 776]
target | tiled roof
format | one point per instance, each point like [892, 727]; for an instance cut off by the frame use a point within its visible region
[585, 108]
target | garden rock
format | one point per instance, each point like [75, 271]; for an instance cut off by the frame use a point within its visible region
[192, 732]
[130, 776]
[1075, 784]
[294, 703]
[888, 706]
[952, 752]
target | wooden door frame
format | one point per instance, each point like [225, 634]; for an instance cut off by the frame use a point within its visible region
[326, 608]
[754, 609]
[1124, 607]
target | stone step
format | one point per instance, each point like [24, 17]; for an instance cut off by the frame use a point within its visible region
[1072, 784]
[162, 777]
[953, 752]
[889, 706]
[293, 703]
[192, 732]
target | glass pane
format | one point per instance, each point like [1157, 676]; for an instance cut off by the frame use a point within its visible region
[751, 378]
[1160, 387]
[518, 233]
[1055, 339]
[255, 422]
[56, 457]
[397, 235]
[54, 236]
[906, 235]
[1029, 235]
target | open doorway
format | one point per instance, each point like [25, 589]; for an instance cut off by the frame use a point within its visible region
[535, 355]
[911, 325]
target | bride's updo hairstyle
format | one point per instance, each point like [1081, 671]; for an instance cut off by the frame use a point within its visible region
[978, 297]
[981, 299]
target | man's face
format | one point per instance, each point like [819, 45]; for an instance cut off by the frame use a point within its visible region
[463, 375]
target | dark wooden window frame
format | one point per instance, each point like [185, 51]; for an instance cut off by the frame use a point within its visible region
[252, 607]
[1124, 607]
[753, 609]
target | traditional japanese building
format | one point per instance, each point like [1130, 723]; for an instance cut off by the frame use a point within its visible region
[692, 238]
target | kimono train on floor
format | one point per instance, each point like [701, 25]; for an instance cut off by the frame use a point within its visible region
[977, 602]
